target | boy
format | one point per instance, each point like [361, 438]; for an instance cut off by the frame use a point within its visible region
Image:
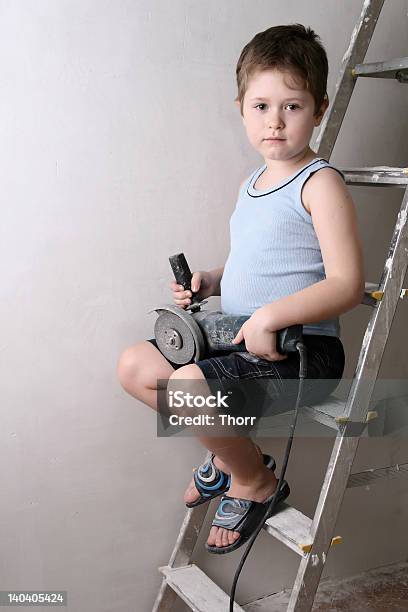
[295, 258]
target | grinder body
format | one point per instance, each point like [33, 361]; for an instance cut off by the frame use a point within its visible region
[184, 335]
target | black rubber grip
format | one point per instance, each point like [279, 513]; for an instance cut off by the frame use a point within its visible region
[181, 271]
[183, 276]
[287, 338]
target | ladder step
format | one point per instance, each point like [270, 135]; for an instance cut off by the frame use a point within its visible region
[328, 412]
[391, 69]
[291, 527]
[369, 477]
[378, 176]
[194, 587]
[270, 603]
[372, 294]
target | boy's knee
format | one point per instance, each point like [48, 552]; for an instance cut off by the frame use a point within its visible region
[127, 366]
[187, 372]
[186, 386]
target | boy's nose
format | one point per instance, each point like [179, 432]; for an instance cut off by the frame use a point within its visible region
[274, 121]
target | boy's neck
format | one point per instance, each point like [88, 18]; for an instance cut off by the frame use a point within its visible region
[290, 165]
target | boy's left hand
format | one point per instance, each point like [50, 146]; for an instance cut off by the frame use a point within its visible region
[259, 339]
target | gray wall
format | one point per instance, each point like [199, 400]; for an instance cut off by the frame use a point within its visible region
[121, 145]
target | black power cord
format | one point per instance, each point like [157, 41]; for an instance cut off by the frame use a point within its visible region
[301, 348]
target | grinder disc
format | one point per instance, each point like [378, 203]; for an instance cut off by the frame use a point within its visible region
[178, 336]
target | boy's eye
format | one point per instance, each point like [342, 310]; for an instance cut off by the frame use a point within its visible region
[293, 105]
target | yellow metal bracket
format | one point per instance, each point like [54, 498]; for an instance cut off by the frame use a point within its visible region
[378, 295]
[343, 418]
[371, 414]
[306, 548]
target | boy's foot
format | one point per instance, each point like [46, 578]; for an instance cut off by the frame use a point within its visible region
[191, 494]
[259, 490]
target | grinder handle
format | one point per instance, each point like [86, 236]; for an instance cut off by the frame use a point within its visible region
[288, 337]
[220, 329]
[182, 273]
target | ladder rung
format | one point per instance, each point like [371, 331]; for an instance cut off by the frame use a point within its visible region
[391, 69]
[291, 527]
[328, 412]
[368, 477]
[372, 294]
[378, 176]
[270, 603]
[199, 592]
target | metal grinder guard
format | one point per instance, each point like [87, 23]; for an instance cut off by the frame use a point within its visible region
[183, 335]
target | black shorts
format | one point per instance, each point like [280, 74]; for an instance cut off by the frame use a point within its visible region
[262, 387]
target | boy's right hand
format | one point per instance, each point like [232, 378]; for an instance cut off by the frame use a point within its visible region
[201, 282]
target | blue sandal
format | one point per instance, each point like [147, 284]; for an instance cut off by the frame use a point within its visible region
[211, 482]
[242, 515]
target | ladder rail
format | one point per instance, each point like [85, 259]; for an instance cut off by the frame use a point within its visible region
[360, 39]
[345, 445]
[182, 551]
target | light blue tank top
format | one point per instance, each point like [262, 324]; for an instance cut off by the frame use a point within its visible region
[274, 247]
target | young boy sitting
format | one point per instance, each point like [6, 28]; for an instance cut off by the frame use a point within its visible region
[295, 258]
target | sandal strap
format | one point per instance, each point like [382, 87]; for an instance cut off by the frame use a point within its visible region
[210, 481]
[208, 478]
[243, 515]
[231, 512]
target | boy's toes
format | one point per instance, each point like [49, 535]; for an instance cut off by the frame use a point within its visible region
[191, 493]
[222, 537]
[212, 536]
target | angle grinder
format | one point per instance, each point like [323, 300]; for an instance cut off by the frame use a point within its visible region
[187, 334]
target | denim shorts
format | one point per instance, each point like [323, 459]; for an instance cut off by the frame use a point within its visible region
[262, 387]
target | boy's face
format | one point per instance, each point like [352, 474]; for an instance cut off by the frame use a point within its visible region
[274, 107]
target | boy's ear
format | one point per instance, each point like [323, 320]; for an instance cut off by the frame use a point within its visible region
[323, 109]
[237, 102]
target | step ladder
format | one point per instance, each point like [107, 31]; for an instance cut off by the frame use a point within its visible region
[312, 538]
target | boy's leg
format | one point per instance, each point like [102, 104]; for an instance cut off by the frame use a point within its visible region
[139, 367]
[250, 478]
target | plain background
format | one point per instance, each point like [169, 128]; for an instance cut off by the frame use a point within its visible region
[121, 145]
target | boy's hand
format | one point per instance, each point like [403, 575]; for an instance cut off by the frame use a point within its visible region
[200, 282]
[259, 340]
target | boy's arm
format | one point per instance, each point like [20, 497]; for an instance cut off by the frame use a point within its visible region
[335, 223]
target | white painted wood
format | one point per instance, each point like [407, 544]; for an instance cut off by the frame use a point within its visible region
[384, 70]
[326, 412]
[277, 602]
[381, 176]
[199, 592]
[290, 527]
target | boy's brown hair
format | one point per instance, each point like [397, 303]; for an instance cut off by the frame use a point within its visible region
[290, 48]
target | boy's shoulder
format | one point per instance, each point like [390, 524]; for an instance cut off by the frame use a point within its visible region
[325, 180]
